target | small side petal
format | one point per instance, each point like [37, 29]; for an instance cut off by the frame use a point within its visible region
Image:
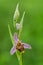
[17, 26]
[27, 46]
[13, 50]
[15, 38]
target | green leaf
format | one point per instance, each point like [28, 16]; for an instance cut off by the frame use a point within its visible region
[10, 34]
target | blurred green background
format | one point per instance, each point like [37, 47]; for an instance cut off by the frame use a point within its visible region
[32, 31]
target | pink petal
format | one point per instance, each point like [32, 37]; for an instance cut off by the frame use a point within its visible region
[15, 38]
[13, 50]
[17, 26]
[27, 46]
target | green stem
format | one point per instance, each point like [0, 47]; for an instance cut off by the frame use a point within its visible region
[20, 31]
[14, 23]
[19, 56]
[20, 61]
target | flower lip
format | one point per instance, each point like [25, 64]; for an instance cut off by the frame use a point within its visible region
[20, 46]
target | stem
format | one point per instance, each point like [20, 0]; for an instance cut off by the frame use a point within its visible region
[14, 23]
[20, 31]
[19, 56]
[20, 61]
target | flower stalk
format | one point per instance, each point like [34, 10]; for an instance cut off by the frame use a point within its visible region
[19, 56]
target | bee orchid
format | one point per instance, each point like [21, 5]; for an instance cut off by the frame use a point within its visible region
[18, 45]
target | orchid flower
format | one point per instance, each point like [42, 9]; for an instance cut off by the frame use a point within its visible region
[18, 45]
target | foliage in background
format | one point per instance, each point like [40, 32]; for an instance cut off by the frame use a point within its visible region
[32, 31]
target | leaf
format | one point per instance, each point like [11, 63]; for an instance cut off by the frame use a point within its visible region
[21, 24]
[10, 34]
